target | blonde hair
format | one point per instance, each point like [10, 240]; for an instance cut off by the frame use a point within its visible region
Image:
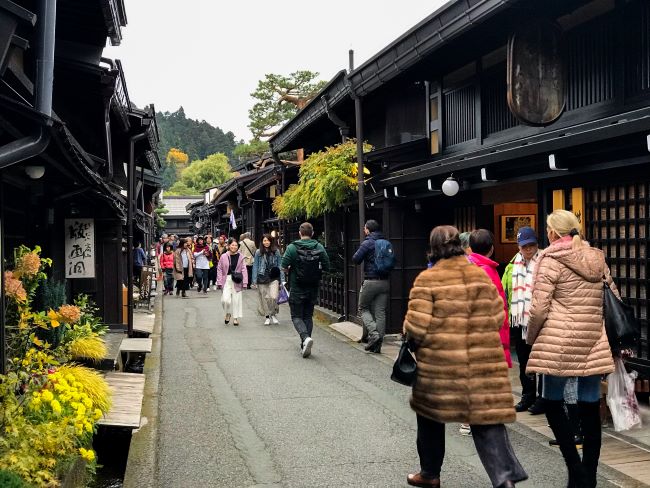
[565, 223]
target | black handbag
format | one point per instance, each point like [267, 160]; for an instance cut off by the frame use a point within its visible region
[405, 369]
[623, 329]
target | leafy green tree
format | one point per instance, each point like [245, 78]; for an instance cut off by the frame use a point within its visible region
[201, 175]
[327, 179]
[278, 99]
[255, 148]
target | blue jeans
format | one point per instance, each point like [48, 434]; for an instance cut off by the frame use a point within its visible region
[588, 387]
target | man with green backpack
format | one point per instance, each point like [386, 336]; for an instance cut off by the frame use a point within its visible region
[305, 260]
[376, 252]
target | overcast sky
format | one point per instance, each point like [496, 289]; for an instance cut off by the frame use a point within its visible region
[208, 55]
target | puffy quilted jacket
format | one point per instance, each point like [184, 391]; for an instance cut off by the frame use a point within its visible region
[566, 327]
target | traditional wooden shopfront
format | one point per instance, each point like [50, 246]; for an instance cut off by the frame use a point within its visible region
[434, 105]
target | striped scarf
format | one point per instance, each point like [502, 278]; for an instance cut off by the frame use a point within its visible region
[522, 292]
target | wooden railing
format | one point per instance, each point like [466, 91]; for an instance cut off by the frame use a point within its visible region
[332, 293]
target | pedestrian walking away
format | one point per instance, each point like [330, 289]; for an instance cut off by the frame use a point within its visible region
[247, 248]
[376, 254]
[517, 284]
[202, 255]
[481, 243]
[305, 260]
[232, 277]
[568, 339]
[183, 267]
[452, 324]
[267, 276]
[167, 266]
[139, 261]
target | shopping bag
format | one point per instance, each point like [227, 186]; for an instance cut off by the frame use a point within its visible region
[621, 399]
[283, 295]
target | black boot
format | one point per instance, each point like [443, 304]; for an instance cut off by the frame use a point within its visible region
[563, 431]
[525, 403]
[592, 434]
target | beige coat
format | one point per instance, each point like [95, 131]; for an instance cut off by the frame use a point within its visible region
[566, 327]
[454, 316]
[178, 264]
[247, 249]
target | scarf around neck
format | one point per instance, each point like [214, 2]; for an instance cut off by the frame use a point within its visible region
[522, 291]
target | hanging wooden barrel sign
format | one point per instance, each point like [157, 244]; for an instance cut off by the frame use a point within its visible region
[536, 80]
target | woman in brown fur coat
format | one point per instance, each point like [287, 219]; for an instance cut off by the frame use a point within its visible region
[453, 321]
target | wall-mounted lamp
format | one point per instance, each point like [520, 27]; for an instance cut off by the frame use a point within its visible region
[647, 139]
[395, 191]
[386, 193]
[450, 186]
[553, 164]
[35, 172]
[274, 234]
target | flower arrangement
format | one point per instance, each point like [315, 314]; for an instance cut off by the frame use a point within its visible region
[49, 406]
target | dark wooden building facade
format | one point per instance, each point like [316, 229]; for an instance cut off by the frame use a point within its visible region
[435, 104]
[69, 136]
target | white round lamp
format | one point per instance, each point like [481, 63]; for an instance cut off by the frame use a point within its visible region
[35, 172]
[450, 187]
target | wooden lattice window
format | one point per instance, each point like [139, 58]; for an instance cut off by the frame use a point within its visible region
[618, 222]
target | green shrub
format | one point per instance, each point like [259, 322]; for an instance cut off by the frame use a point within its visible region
[11, 480]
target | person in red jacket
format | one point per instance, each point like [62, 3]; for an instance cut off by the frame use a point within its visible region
[481, 242]
[167, 266]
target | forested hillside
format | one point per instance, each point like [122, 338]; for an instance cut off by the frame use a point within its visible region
[197, 139]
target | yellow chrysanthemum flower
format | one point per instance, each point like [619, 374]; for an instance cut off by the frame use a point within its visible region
[56, 406]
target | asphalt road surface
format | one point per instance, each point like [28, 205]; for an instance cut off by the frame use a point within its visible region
[240, 407]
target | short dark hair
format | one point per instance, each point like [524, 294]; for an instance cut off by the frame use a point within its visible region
[445, 243]
[231, 240]
[481, 241]
[306, 229]
[167, 246]
[372, 225]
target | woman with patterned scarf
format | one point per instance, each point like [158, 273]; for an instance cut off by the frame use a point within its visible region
[518, 284]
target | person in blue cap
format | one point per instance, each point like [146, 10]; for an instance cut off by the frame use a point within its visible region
[518, 285]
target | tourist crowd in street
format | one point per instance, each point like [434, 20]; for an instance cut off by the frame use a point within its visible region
[461, 316]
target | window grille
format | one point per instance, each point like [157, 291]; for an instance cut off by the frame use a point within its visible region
[618, 221]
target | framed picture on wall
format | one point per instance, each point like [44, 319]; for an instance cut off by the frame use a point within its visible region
[510, 225]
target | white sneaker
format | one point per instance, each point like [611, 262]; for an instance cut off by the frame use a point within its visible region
[214, 287]
[267, 321]
[274, 320]
[306, 347]
[465, 429]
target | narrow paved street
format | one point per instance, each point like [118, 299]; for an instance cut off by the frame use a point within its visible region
[239, 407]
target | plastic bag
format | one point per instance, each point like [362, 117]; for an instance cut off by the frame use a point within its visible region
[283, 295]
[621, 399]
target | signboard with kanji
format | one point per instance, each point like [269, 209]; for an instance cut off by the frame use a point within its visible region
[80, 248]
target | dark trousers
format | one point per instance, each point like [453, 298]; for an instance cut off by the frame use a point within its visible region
[302, 316]
[183, 285]
[137, 274]
[202, 278]
[491, 442]
[249, 270]
[528, 381]
[212, 276]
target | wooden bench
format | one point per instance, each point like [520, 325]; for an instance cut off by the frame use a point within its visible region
[133, 345]
[128, 393]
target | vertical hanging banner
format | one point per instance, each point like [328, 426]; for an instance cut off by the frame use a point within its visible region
[80, 248]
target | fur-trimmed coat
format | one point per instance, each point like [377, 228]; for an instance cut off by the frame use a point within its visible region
[453, 320]
[566, 326]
